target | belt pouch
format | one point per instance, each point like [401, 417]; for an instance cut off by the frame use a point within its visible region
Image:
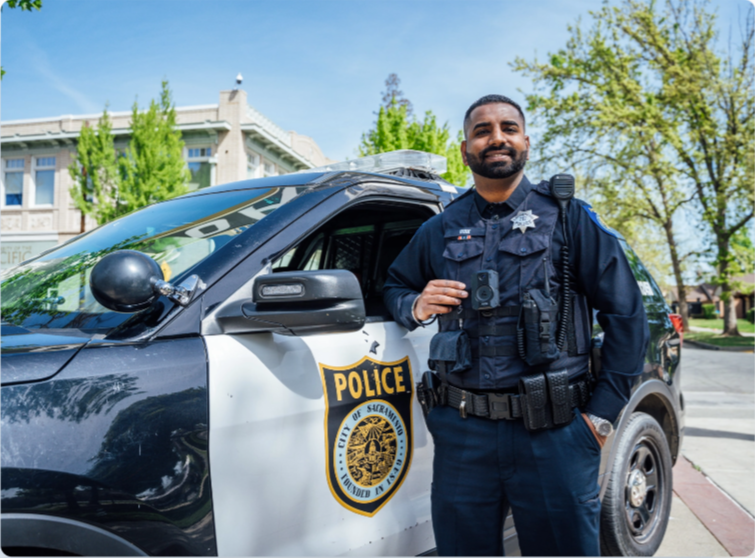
[540, 314]
[560, 401]
[452, 347]
[428, 392]
[534, 398]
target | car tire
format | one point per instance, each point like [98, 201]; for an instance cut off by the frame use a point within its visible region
[637, 501]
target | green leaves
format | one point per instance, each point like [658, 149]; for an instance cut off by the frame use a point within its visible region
[643, 99]
[25, 5]
[394, 130]
[108, 185]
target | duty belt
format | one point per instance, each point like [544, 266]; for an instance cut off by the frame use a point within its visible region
[502, 406]
[468, 313]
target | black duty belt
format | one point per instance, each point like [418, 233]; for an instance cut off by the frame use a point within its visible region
[468, 313]
[502, 406]
[493, 330]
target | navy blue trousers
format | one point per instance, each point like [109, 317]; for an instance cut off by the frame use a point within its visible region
[548, 477]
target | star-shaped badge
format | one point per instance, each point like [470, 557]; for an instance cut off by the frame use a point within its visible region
[524, 220]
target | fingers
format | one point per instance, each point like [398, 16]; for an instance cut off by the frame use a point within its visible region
[440, 296]
[440, 291]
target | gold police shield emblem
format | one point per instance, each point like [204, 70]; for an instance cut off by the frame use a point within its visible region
[368, 431]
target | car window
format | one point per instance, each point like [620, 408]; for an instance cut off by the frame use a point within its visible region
[52, 291]
[364, 240]
[652, 295]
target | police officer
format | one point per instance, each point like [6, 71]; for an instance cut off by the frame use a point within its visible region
[498, 443]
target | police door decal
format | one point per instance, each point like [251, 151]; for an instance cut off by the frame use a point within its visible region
[368, 431]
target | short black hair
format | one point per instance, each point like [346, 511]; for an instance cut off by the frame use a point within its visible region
[487, 100]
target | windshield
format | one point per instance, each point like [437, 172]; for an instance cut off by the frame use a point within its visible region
[52, 291]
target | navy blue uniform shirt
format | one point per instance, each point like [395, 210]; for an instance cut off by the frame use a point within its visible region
[600, 271]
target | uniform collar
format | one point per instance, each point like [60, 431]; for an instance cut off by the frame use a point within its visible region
[515, 200]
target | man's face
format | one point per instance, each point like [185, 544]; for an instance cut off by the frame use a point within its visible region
[496, 146]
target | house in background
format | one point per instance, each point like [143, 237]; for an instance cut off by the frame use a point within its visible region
[706, 293]
[225, 142]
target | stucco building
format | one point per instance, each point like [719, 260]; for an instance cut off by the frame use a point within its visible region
[225, 142]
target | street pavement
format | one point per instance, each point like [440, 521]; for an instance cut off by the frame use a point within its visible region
[714, 479]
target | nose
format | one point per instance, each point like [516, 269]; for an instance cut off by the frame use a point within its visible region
[497, 137]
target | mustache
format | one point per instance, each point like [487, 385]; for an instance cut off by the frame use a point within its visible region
[503, 150]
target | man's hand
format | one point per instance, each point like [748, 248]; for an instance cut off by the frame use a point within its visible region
[439, 297]
[601, 439]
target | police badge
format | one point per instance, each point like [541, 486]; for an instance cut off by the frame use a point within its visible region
[368, 431]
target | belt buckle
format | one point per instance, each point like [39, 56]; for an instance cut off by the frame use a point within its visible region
[499, 406]
[463, 405]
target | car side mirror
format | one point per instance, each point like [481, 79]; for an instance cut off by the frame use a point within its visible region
[129, 281]
[299, 303]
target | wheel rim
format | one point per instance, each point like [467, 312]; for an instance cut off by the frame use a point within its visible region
[643, 499]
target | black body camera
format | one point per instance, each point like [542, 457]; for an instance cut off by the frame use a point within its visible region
[485, 294]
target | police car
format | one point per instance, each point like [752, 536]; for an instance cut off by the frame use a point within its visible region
[218, 375]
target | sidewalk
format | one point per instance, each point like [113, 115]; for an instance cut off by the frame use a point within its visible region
[695, 328]
[714, 477]
[704, 520]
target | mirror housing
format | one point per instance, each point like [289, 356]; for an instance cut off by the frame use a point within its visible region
[299, 303]
[123, 281]
[129, 281]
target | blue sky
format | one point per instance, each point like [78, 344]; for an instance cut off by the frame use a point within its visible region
[317, 67]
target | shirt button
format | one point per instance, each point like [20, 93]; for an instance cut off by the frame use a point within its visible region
[488, 258]
[523, 250]
[494, 227]
[487, 376]
[485, 339]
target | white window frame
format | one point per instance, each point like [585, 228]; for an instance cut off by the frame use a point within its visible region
[265, 163]
[203, 159]
[5, 169]
[253, 163]
[36, 167]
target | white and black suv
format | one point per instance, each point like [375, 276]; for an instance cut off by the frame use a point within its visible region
[227, 381]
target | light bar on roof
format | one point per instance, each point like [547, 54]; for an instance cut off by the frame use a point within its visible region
[407, 158]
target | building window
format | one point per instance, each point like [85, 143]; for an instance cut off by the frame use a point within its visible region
[198, 161]
[13, 181]
[270, 169]
[252, 165]
[44, 181]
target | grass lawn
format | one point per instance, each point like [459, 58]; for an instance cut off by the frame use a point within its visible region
[743, 325]
[716, 339]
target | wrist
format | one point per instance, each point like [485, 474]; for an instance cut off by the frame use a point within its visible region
[602, 426]
[423, 323]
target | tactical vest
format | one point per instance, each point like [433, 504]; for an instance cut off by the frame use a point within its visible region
[522, 260]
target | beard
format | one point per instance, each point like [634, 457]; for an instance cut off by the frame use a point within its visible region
[497, 169]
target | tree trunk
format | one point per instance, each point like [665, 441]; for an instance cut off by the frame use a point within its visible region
[83, 222]
[727, 294]
[676, 264]
[730, 312]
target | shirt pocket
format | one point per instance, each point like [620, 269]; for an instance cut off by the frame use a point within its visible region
[458, 251]
[531, 250]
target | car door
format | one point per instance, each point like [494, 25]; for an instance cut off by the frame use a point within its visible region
[317, 442]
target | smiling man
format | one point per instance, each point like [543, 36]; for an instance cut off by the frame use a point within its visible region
[511, 274]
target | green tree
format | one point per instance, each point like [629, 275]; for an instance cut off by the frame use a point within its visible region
[643, 101]
[396, 129]
[95, 173]
[151, 169]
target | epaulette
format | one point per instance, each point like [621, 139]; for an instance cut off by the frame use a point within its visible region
[464, 195]
[598, 221]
